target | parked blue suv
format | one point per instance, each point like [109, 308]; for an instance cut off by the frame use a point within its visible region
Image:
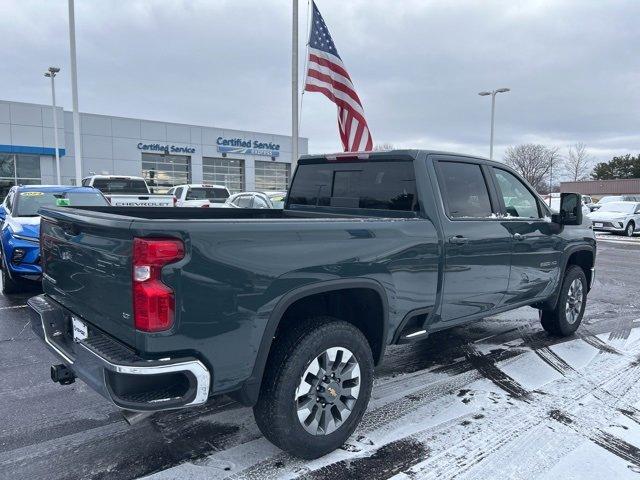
[20, 231]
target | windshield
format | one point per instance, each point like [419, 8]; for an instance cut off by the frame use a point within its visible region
[604, 200]
[28, 203]
[204, 193]
[619, 207]
[121, 185]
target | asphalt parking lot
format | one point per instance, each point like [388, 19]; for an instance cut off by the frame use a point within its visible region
[497, 399]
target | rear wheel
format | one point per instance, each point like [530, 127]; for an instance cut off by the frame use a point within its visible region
[566, 317]
[629, 230]
[316, 387]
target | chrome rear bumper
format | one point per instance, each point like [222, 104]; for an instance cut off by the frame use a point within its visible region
[115, 371]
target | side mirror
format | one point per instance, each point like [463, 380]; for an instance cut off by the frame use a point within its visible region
[570, 210]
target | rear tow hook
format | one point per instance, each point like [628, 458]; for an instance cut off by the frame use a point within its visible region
[62, 374]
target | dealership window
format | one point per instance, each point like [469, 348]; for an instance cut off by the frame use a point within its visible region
[162, 172]
[18, 169]
[272, 176]
[224, 171]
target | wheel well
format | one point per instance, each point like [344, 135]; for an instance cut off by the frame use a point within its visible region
[583, 259]
[362, 307]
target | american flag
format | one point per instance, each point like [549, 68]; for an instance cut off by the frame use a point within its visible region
[327, 74]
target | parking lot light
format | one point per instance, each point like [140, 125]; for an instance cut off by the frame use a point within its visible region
[493, 109]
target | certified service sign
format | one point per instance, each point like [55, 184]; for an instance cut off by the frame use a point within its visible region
[247, 147]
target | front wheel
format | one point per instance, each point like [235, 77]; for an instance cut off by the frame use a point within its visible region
[566, 317]
[629, 230]
[9, 285]
[316, 387]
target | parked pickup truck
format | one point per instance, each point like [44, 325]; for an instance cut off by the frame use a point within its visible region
[127, 191]
[290, 310]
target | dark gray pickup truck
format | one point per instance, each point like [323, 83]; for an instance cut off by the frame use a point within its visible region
[289, 311]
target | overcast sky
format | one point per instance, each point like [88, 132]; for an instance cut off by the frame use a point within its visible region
[573, 67]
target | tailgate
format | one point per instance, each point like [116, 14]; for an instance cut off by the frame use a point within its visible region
[140, 200]
[86, 259]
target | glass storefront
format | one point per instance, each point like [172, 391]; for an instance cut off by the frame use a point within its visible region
[162, 172]
[272, 176]
[18, 169]
[224, 171]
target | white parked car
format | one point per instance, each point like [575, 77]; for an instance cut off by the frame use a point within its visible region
[199, 195]
[127, 191]
[256, 200]
[615, 198]
[617, 217]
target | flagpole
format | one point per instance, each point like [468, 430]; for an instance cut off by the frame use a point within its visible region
[294, 85]
[77, 139]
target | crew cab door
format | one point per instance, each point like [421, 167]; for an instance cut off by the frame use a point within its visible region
[537, 248]
[477, 246]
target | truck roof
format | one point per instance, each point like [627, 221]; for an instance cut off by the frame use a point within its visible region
[390, 155]
[199, 185]
[127, 177]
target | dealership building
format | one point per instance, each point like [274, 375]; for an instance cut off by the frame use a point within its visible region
[164, 153]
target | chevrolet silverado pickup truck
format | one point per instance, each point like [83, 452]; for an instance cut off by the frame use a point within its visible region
[289, 310]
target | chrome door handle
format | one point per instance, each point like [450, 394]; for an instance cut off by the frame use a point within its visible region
[518, 236]
[458, 240]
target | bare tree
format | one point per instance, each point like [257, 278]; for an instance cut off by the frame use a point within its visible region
[384, 147]
[578, 163]
[533, 162]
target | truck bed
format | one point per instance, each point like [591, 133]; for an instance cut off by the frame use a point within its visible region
[195, 213]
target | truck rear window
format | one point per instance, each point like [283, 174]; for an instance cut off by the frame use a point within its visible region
[123, 186]
[206, 193]
[370, 185]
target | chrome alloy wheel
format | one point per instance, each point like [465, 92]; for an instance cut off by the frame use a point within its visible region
[575, 299]
[328, 390]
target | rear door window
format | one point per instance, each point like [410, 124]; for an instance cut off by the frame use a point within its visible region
[243, 201]
[259, 202]
[464, 190]
[367, 185]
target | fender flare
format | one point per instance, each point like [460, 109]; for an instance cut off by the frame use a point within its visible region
[250, 390]
[553, 300]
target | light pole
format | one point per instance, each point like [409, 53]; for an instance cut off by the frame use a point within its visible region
[493, 110]
[51, 73]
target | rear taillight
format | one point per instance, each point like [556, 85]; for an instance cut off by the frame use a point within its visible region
[206, 205]
[175, 201]
[153, 301]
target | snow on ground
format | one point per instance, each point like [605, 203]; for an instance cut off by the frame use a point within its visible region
[496, 399]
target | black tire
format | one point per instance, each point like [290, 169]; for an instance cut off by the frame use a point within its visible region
[9, 285]
[557, 322]
[276, 411]
[629, 230]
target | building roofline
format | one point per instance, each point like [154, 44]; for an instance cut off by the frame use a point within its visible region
[42, 105]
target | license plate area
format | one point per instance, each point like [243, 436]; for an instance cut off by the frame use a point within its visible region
[597, 224]
[79, 329]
